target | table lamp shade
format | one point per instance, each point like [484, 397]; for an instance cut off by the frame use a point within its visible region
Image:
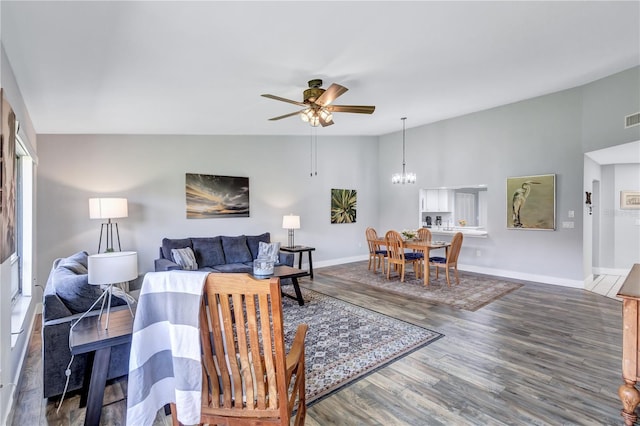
[107, 208]
[291, 222]
[113, 267]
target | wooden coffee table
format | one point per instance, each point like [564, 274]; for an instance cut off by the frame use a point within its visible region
[283, 272]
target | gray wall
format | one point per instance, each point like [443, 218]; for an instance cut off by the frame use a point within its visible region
[543, 135]
[150, 172]
[548, 134]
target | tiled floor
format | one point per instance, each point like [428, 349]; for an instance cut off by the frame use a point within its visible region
[606, 285]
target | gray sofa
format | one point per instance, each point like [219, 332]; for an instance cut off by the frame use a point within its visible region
[218, 254]
[67, 295]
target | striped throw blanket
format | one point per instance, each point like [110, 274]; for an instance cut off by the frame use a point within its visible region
[164, 365]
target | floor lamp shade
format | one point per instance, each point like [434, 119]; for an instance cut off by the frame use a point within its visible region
[291, 222]
[108, 208]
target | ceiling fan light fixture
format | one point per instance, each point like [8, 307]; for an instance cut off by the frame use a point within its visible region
[306, 114]
[326, 115]
[315, 120]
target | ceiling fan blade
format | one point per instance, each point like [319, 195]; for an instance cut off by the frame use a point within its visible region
[291, 114]
[358, 109]
[330, 94]
[278, 98]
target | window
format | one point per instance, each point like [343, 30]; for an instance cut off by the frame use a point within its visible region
[21, 268]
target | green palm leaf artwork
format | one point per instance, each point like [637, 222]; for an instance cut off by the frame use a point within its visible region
[343, 205]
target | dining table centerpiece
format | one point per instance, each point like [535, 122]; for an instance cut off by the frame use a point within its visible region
[408, 234]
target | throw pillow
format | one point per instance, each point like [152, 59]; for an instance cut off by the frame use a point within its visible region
[269, 250]
[169, 244]
[185, 258]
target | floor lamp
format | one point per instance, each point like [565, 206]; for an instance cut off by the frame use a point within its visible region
[110, 269]
[108, 208]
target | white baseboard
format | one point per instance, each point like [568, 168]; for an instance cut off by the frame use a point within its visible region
[544, 279]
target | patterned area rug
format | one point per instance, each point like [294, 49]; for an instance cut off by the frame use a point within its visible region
[473, 292]
[345, 341]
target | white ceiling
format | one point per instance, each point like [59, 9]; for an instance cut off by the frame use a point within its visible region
[179, 67]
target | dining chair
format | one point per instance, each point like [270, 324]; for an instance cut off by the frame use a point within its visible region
[399, 258]
[424, 234]
[451, 260]
[377, 255]
[247, 376]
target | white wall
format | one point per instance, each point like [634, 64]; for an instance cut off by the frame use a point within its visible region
[626, 222]
[150, 172]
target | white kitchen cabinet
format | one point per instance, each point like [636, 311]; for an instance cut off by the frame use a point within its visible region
[436, 200]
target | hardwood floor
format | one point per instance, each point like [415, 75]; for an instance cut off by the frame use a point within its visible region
[542, 354]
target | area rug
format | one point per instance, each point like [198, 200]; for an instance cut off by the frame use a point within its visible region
[473, 292]
[345, 342]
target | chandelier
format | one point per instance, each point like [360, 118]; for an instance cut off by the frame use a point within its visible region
[313, 114]
[404, 177]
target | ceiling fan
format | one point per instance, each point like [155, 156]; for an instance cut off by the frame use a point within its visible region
[318, 110]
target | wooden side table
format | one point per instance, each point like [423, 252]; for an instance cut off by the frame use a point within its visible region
[89, 336]
[300, 250]
[628, 393]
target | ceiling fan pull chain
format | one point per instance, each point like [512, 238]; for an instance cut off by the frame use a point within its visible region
[316, 150]
[311, 155]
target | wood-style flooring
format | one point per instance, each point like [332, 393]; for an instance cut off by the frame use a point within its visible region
[541, 355]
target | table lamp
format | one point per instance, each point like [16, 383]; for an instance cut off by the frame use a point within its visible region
[291, 222]
[110, 269]
[108, 208]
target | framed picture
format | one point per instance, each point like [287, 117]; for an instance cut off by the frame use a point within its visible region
[212, 196]
[8, 181]
[630, 200]
[531, 202]
[343, 205]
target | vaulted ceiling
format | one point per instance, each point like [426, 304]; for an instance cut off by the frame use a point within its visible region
[181, 67]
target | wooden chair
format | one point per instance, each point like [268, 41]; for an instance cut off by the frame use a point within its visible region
[398, 257]
[424, 234]
[377, 256]
[451, 261]
[247, 376]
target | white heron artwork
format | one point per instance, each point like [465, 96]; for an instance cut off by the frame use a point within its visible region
[531, 202]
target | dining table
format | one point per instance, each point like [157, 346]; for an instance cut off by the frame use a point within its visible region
[425, 248]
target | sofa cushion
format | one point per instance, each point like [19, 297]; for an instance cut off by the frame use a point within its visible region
[185, 258]
[208, 251]
[253, 241]
[236, 249]
[235, 268]
[75, 291]
[169, 244]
